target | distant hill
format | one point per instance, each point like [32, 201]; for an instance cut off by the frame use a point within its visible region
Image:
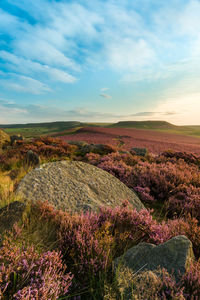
[146, 125]
[32, 130]
[190, 130]
[58, 124]
[37, 129]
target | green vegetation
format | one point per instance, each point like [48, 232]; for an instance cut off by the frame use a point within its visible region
[32, 130]
[38, 129]
[190, 130]
[145, 125]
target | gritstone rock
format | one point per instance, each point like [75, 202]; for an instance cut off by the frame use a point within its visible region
[10, 214]
[139, 151]
[75, 186]
[174, 255]
[32, 159]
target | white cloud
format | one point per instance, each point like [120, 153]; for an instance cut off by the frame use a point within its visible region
[29, 67]
[127, 54]
[24, 84]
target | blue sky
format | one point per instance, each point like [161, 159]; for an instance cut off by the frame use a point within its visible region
[95, 60]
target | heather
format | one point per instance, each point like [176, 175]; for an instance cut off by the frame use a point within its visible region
[55, 254]
[171, 182]
[89, 242]
[27, 274]
[126, 138]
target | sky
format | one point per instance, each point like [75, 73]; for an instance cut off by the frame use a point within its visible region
[99, 60]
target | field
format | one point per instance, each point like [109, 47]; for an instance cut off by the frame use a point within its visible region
[154, 141]
[51, 252]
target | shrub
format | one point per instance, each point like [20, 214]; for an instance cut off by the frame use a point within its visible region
[89, 241]
[187, 157]
[161, 232]
[26, 274]
[190, 281]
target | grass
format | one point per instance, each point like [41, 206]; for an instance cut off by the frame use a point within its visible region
[39, 129]
[33, 130]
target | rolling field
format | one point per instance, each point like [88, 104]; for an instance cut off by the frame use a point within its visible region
[154, 141]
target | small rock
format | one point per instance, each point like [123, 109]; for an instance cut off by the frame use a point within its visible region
[174, 255]
[10, 214]
[139, 151]
[32, 159]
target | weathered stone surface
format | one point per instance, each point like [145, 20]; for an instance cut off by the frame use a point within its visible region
[140, 151]
[32, 159]
[75, 186]
[10, 214]
[85, 148]
[4, 139]
[173, 255]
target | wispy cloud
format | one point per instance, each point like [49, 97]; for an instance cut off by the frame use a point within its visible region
[24, 84]
[104, 89]
[14, 113]
[29, 67]
[107, 96]
[144, 114]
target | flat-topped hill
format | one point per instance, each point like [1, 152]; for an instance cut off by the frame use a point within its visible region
[145, 125]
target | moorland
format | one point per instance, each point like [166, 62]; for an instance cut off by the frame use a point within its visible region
[51, 254]
[31, 130]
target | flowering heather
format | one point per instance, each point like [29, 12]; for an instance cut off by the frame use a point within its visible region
[156, 142]
[26, 274]
[173, 182]
[46, 147]
[87, 236]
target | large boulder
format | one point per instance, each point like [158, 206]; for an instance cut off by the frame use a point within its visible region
[75, 186]
[4, 139]
[174, 255]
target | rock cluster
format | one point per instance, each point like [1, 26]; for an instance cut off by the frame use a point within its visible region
[85, 148]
